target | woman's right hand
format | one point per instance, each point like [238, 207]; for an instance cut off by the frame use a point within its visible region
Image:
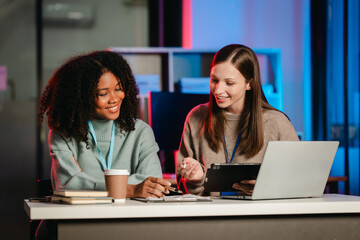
[190, 169]
[150, 187]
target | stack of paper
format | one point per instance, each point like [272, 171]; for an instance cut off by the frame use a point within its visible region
[81, 197]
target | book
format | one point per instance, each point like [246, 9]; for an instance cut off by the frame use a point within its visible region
[176, 198]
[80, 193]
[81, 200]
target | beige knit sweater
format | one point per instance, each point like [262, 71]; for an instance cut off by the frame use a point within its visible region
[277, 127]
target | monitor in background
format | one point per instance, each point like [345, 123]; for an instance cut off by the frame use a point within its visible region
[167, 113]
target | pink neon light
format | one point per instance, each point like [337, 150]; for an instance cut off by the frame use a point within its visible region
[149, 110]
[187, 23]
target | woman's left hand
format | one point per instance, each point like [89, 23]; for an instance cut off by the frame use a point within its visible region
[190, 169]
[246, 186]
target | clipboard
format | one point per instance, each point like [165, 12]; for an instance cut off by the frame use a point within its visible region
[221, 176]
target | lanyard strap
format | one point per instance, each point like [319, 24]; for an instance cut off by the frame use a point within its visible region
[107, 165]
[236, 145]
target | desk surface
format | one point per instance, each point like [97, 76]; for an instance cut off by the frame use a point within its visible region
[328, 204]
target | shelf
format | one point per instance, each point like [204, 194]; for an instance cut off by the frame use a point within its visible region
[174, 64]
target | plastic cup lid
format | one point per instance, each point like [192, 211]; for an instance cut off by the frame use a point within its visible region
[116, 172]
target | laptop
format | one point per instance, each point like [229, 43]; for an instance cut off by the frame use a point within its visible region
[293, 169]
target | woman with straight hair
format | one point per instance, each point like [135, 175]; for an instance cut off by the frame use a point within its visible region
[234, 126]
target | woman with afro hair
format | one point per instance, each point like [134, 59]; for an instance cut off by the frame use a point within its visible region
[91, 107]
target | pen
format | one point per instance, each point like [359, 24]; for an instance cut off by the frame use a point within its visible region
[173, 189]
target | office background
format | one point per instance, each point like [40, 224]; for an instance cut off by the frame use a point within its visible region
[319, 54]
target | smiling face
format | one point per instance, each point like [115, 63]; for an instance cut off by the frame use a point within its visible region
[108, 98]
[229, 87]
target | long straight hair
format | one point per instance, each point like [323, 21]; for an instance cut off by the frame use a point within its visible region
[251, 120]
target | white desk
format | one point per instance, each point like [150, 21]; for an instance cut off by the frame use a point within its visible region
[330, 217]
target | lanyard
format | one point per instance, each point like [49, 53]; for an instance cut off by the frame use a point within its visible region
[111, 150]
[233, 154]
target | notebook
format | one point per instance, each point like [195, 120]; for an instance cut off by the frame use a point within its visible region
[293, 169]
[176, 198]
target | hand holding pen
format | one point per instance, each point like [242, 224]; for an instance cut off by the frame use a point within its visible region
[150, 187]
[190, 169]
[173, 190]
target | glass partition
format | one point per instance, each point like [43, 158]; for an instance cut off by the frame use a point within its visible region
[342, 78]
